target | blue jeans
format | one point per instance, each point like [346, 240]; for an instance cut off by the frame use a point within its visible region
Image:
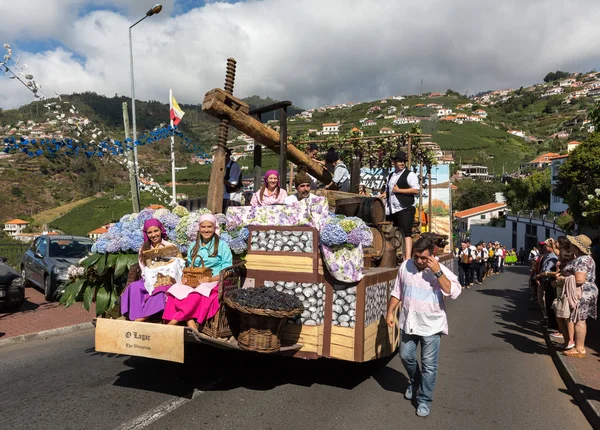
[425, 376]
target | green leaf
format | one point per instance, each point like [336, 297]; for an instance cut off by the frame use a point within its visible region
[102, 300]
[121, 265]
[101, 267]
[66, 294]
[113, 300]
[131, 259]
[91, 260]
[76, 289]
[111, 260]
[87, 296]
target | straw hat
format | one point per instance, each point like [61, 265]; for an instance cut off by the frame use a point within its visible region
[582, 242]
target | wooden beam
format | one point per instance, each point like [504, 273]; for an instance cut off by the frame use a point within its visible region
[262, 134]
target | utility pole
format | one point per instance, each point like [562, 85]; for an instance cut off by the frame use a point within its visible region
[130, 164]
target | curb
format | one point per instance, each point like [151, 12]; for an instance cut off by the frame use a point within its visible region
[45, 334]
[574, 382]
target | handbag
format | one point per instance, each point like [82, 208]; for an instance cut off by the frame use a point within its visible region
[561, 306]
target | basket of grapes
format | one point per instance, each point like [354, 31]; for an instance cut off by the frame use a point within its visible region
[262, 312]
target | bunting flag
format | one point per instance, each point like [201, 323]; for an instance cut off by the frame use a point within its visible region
[176, 112]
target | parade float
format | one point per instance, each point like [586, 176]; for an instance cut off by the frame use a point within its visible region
[321, 269]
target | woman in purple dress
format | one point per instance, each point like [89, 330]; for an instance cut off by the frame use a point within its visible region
[137, 304]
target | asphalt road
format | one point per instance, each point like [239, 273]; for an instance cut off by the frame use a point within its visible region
[494, 374]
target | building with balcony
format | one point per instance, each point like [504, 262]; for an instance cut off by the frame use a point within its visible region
[478, 215]
[475, 172]
[15, 227]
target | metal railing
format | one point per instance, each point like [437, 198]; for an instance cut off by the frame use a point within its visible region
[13, 253]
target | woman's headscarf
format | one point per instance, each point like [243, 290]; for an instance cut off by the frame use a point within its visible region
[269, 173]
[153, 222]
[211, 218]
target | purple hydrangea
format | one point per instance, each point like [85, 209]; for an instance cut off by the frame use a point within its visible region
[360, 236]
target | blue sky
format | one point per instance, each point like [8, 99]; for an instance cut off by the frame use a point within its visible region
[313, 52]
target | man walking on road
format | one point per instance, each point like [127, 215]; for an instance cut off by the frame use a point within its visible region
[420, 287]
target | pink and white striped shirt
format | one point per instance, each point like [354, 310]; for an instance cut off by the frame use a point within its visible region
[423, 312]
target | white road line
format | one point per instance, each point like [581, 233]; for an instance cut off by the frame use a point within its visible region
[156, 413]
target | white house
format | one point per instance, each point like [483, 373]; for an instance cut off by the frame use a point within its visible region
[331, 128]
[95, 234]
[386, 130]
[567, 82]
[392, 109]
[15, 227]
[479, 215]
[553, 92]
[444, 112]
[481, 113]
[519, 133]
[400, 120]
[369, 123]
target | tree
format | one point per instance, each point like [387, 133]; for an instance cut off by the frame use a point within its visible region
[472, 193]
[579, 176]
[555, 76]
[529, 193]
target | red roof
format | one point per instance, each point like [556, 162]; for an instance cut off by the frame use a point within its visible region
[479, 209]
[17, 221]
[573, 142]
[155, 207]
[544, 157]
[100, 230]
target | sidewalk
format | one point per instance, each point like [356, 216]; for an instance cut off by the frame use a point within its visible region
[582, 375]
[38, 315]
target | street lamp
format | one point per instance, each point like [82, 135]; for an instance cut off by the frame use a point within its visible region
[136, 193]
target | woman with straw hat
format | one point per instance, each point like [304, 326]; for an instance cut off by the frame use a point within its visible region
[583, 294]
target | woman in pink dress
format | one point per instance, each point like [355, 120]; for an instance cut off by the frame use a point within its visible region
[270, 193]
[137, 304]
[194, 305]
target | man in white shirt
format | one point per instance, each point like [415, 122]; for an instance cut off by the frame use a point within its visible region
[402, 186]
[234, 189]
[302, 182]
[421, 286]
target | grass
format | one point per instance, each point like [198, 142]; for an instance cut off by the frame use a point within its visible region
[93, 214]
[50, 215]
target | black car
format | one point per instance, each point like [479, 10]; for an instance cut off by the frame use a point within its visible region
[12, 290]
[46, 262]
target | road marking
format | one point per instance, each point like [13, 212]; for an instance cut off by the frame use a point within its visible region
[156, 413]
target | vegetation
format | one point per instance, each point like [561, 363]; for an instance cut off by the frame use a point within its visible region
[579, 177]
[85, 218]
[472, 193]
[555, 76]
[529, 193]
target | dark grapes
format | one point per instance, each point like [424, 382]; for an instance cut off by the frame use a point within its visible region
[265, 298]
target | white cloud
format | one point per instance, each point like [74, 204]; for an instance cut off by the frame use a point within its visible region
[309, 51]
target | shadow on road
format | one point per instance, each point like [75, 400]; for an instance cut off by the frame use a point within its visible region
[210, 369]
[519, 325]
[27, 306]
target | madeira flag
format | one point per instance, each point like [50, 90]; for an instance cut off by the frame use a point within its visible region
[176, 112]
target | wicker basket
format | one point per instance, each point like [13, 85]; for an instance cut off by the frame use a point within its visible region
[193, 276]
[259, 329]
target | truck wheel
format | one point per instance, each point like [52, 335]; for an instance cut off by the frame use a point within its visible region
[26, 283]
[48, 293]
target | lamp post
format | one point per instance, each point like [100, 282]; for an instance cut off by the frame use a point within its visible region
[135, 194]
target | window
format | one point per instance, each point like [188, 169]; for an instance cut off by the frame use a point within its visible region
[547, 232]
[483, 216]
[42, 247]
[514, 227]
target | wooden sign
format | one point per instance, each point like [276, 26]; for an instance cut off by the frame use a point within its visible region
[160, 341]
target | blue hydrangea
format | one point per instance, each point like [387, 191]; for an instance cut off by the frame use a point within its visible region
[333, 234]
[238, 245]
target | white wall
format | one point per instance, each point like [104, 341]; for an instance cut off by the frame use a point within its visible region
[491, 234]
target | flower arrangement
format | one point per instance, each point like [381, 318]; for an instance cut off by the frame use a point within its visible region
[348, 231]
[101, 277]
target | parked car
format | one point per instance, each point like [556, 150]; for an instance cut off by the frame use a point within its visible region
[45, 263]
[12, 290]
